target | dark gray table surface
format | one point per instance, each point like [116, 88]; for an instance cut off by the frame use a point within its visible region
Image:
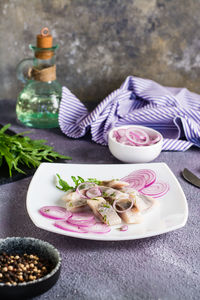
[161, 267]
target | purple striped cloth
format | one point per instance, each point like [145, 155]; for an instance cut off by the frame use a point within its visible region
[174, 112]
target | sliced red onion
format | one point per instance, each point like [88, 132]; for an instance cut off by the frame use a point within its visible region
[83, 187]
[99, 228]
[155, 139]
[121, 200]
[121, 132]
[136, 182]
[123, 228]
[116, 134]
[140, 178]
[137, 136]
[122, 139]
[55, 212]
[82, 223]
[149, 175]
[68, 227]
[133, 136]
[82, 219]
[156, 190]
[93, 192]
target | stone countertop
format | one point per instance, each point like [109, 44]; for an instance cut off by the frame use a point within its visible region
[161, 267]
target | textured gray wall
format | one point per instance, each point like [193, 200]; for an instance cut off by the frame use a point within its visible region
[103, 41]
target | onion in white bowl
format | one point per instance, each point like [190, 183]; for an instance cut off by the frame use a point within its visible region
[134, 143]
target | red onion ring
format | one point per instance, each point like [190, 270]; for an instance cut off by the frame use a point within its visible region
[122, 211]
[116, 134]
[83, 187]
[99, 228]
[121, 132]
[82, 223]
[123, 228]
[68, 227]
[137, 136]
[155, 139]
[55, 212]
[150, 176]
[136, 182]
[133, 136]
[93, 192]
[140, 178]
[82, 219]
[156, 190]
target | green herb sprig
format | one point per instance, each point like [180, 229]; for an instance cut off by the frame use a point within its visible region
[64, 186]
[18, 150]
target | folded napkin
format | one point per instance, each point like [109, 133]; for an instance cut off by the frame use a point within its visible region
[174, 112]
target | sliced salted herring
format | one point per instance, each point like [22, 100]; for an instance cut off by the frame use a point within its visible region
[144, 203]
[76, 204]
[74, 201]
[104, 211]
[115, 184]
[111, 194]
[132, 216]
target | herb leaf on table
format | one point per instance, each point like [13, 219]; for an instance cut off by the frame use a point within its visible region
[18, 150]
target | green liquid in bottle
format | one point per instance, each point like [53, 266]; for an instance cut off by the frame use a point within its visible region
[38, 104]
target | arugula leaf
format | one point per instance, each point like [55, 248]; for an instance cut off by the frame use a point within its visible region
[4, 128]
[64, 186]
[98, 182]
[18, 150]
[80, 179]
[75, 180]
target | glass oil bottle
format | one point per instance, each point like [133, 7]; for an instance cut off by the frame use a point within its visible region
[38, 103]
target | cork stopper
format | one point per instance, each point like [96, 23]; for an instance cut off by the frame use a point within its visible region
[44, 41]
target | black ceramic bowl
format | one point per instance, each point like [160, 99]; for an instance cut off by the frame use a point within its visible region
[30, 289]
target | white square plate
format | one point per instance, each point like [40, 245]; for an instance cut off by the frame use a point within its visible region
[171, 214]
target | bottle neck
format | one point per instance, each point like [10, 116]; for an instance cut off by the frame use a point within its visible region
[44, 63]
[44, 56]
[44, 69]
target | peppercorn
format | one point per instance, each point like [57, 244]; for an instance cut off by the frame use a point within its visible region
[17, 268]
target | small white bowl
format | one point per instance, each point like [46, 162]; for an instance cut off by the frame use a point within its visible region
[134, 154]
